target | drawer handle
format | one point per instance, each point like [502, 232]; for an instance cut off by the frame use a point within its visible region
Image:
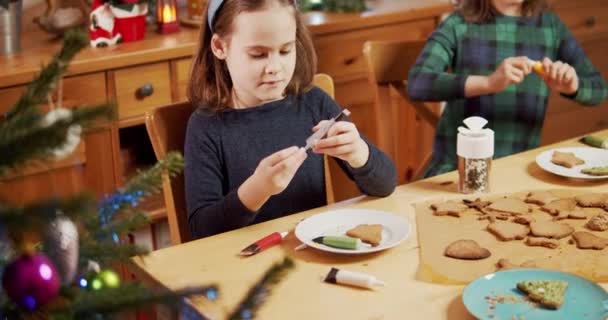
[590, 22]
[144, 91]
[350, 61]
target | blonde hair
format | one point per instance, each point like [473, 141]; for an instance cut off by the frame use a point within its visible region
[210, 83]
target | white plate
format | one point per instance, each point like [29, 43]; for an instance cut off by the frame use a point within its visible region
[336, 222]
[594, 157]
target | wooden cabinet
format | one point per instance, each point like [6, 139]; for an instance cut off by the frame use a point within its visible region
[87, 167]
[588, 22]
[181, 76]
[141, 88]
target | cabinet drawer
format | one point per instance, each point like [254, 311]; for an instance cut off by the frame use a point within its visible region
[341, 54]
[139, 89]
[585, 21]
[77, 91]
[182, 70]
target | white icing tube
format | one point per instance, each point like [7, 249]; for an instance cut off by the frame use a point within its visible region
[357, 279]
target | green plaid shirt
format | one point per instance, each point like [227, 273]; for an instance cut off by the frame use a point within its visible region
[516, 115]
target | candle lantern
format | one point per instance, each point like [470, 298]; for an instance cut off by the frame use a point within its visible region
[166, 16]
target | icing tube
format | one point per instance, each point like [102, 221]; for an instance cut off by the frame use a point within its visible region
[596, 142]
[357, 279]
[339, 242]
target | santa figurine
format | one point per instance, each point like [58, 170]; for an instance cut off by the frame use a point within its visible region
[102, 30]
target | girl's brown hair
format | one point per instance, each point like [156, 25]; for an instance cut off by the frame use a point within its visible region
[479, 11]
[210, 84]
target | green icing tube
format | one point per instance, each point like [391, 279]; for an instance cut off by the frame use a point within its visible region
[338, 242]
[596, 142]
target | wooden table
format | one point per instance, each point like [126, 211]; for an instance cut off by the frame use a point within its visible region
[302, 294]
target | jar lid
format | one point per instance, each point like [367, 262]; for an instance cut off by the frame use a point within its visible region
[474, 141]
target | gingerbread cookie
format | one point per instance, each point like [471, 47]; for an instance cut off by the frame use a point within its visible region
[549, 229]
[493, 216]
[599, 222]
[525, 220]
[555, 207]
[451, 208]
[592, 200]
[542, 242]
[587, 240]
[476, 204]
[574, 214]
[467, 250]
[505, 264]
[566, 159]
[511, 206]
[541, 198]
[507, 231]
[368, 233]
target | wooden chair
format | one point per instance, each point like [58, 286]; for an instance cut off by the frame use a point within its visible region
[166, 127]
[409, 146]
[326, 83]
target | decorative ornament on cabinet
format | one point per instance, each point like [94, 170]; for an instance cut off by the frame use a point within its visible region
[61, 15]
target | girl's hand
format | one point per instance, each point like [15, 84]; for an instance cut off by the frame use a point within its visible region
[272, 176]
[343, 142]
[511, 70]
[559, 76]
[274, 173]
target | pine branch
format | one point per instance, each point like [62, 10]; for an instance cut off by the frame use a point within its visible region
[129, 221]
[87, 304]
[260, 291]
[37, 216]
[18, 145]
[107, 252]
[150, 181]
[74, 41]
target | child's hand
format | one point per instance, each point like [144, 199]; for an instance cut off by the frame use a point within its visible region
[511, 70]
[559, 76]
[275, 172]
[343, 142]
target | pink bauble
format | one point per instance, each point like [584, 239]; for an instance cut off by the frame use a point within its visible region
[31, 281]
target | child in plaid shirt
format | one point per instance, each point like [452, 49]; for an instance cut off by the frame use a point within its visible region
[491, 46]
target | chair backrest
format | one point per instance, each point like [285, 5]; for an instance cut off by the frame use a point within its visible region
[326, 83]
[166, 127]
[388, 64]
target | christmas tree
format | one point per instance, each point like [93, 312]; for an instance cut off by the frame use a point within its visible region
[57, 255]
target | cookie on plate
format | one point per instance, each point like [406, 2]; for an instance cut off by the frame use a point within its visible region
[368, 233]
[549, 293]
[566, 159]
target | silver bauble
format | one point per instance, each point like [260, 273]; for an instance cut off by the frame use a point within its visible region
[61, 244]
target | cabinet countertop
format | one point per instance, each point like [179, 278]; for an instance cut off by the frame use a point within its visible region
[38, 47]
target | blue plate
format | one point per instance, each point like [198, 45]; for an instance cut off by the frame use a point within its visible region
[584, 299]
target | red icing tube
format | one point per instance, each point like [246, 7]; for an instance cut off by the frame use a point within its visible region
[266, 242]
